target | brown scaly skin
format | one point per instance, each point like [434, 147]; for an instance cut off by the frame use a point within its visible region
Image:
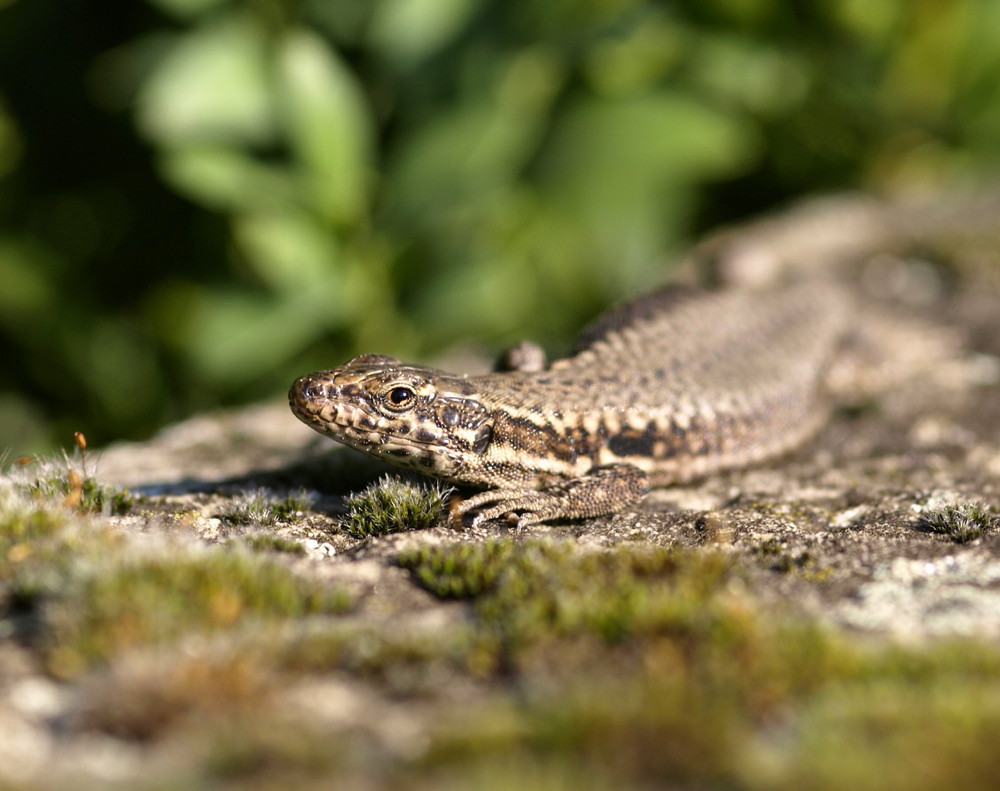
[669, 388]
[666, 389]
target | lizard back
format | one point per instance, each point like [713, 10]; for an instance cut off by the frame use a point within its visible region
[680, 384]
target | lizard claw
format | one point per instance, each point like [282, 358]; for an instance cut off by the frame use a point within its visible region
[533, 507]
[601, 491]
[530, 505]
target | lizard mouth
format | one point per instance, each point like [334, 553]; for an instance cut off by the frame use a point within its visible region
[330, 408]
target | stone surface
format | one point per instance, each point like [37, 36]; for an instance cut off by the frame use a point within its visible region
[833, 532]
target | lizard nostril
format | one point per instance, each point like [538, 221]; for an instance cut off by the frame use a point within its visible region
[305, 388]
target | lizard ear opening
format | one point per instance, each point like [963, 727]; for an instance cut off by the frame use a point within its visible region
[482, 439]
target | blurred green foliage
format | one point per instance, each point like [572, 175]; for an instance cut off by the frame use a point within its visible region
[202, 199]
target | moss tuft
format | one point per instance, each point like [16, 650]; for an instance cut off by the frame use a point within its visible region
[460, 571]
[268, 542]
[160, 599]
[392, 505]
[962, 522]
[262, 508]
[30, 533]
[21, 523]
[85, 494]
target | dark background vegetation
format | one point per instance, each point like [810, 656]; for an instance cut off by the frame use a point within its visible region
[202, 199]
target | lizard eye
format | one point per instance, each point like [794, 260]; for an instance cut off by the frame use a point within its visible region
[400, 396]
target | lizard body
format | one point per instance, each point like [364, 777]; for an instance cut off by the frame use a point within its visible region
[672, 387]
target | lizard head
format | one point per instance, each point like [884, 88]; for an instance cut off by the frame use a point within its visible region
[406, 415]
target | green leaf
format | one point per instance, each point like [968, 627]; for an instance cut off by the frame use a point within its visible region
[644, 157]
[212, 85]
[639, 142]
[234, 338]
[410, 30]
[226, 179]
[468, 154]
[290, 251]
[328, 124]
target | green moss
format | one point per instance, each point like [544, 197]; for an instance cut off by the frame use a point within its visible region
[99, 498]
[657, 665]
[962, 523]
[634, 667]
[524, 591]
[888, 735]
[459, 571]
[39, 542]
[293, 504]
[249, 509]
[160, 599]
[855, 729]
[262, 508]
[393, 505]
[268, 542]
[400, 661]
[86, 494]
[22, 523]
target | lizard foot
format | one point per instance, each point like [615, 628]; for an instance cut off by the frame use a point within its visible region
[603, 490]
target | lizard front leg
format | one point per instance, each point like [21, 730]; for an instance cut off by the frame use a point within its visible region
[603, 490]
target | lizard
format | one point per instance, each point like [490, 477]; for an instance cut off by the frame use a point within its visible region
[677, 385]
[664, 390]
